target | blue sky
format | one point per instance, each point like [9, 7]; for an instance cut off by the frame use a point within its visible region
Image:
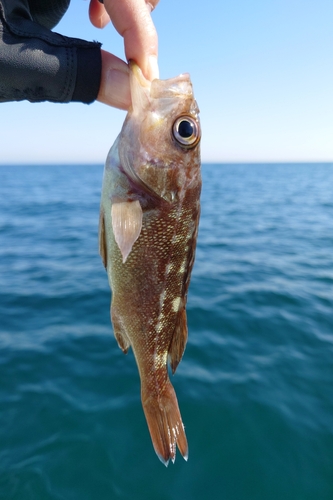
[262, 73]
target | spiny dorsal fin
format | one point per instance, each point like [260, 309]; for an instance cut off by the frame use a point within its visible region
[126, 224]
[179, 339]
[101, 238]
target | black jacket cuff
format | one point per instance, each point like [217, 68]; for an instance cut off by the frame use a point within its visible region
[88, 74]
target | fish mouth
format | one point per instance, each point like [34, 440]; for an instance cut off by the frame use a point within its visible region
[177, 86]
[136, 72]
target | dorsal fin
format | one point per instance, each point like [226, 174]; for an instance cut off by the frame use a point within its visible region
[102, 238]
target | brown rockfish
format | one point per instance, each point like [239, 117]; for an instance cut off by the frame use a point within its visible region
[148, 229]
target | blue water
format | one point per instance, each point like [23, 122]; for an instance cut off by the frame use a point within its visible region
[255, 386]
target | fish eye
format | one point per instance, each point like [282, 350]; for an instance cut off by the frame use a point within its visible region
[186, 131]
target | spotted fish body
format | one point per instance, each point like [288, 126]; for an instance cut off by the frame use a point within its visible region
[148, 230]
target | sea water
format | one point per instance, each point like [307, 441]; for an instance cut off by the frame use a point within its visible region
[255, 386]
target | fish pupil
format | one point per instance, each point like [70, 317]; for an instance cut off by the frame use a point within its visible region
[185, 129]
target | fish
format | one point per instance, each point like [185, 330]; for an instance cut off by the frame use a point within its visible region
[148, 227]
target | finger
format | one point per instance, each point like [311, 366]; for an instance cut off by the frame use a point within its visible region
[133, 21]
[97, 14]
[114, 89]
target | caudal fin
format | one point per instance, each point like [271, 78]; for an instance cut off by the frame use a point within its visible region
[165, 424]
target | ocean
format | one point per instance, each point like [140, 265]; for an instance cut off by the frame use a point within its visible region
[255, 386]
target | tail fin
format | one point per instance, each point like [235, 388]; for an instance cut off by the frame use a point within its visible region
[165, 424]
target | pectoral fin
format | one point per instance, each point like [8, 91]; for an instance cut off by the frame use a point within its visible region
[101, 238]
[179, 339]
[126, 224]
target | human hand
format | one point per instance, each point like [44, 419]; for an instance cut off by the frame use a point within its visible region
[133, 21]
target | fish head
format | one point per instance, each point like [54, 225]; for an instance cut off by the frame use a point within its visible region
[159, 146]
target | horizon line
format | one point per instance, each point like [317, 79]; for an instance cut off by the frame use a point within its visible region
[224, 162]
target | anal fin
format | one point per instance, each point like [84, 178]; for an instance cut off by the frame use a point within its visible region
[119, 331]
[179, 339]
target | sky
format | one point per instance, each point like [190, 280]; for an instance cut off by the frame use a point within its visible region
[262, 72]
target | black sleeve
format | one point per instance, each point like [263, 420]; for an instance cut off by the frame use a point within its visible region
[37, 64]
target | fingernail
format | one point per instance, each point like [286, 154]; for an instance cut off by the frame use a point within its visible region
[153, 67]
[118, 88]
